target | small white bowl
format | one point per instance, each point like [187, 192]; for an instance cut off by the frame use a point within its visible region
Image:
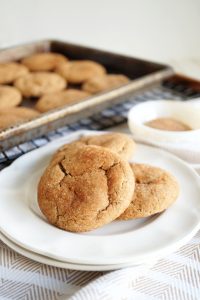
[186, 112]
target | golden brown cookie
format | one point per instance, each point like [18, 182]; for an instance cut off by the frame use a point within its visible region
[120, 143]
[11, 71]
[40, 83]
[8, 121]
[9, 96]
[85, 188]
[15, 115]
[23, 112]
[168, 124]
[99, 84]
[46, 61]
[54, 100]
[80, 70]
[155, 191]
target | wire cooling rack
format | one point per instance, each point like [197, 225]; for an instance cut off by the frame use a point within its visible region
[108, 118]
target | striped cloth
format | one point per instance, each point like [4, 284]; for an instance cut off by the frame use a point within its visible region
[175, 277]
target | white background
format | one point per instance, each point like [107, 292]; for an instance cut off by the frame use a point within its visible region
[162, 30]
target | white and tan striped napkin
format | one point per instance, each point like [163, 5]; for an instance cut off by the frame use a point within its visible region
[175, 277]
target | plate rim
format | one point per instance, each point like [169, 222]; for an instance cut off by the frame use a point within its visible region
[60, 264]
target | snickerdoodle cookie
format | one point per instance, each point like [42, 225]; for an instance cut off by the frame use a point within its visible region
[40, 83]
[11, 71]
[80, 70]
[15, 115]
[9, 96]
[85, 188]
[168, 124]
[54, 100]
[46, 61]
[99, 84]
[155, 191]
[120, 143]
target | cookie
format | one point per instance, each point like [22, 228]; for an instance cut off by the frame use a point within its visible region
[46, 61]
[54, 100]
[7, 121]
[155, 191]
[85, 188]
[80, 70]
[9, 96]
[99, 84]
[23, 112]
[168, 124]
[40, 83]
[11, 71]
[15, 115]
[120, 143]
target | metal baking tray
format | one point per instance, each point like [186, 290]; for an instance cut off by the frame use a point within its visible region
[143, 74]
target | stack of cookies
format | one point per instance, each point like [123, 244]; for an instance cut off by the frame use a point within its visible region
[52, 81]
[90, 183]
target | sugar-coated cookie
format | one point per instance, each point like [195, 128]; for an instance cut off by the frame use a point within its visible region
[11, 71]
[120, 143]
[40, 83]
[9, 96]
[85, 188]
[80, 70]
[15, 115]
[99, 84]
[59, 99]
[155, 191]
[46, 61]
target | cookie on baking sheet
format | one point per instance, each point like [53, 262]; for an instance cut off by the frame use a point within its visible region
[8, 121]
[85, 188]
[15, 115]
[9, 96]
[99, 84]
[120, 143]
[80, 70]
[155, 191]
[11, 71]
[23, 112]
[54, 100]
[46, 61]
[40, 83]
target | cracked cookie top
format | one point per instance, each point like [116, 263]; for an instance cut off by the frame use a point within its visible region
[85, 187]
[155, 191]
[120, 143]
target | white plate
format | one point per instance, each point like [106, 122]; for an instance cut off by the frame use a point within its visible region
[59, 264]
[117, 243]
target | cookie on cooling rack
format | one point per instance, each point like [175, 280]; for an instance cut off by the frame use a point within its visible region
[80, 70]
[40, 83]
[46, 61]
[10, 71]
[99, 84]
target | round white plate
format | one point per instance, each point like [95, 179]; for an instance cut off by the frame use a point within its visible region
[60, 264]
[116, 243]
